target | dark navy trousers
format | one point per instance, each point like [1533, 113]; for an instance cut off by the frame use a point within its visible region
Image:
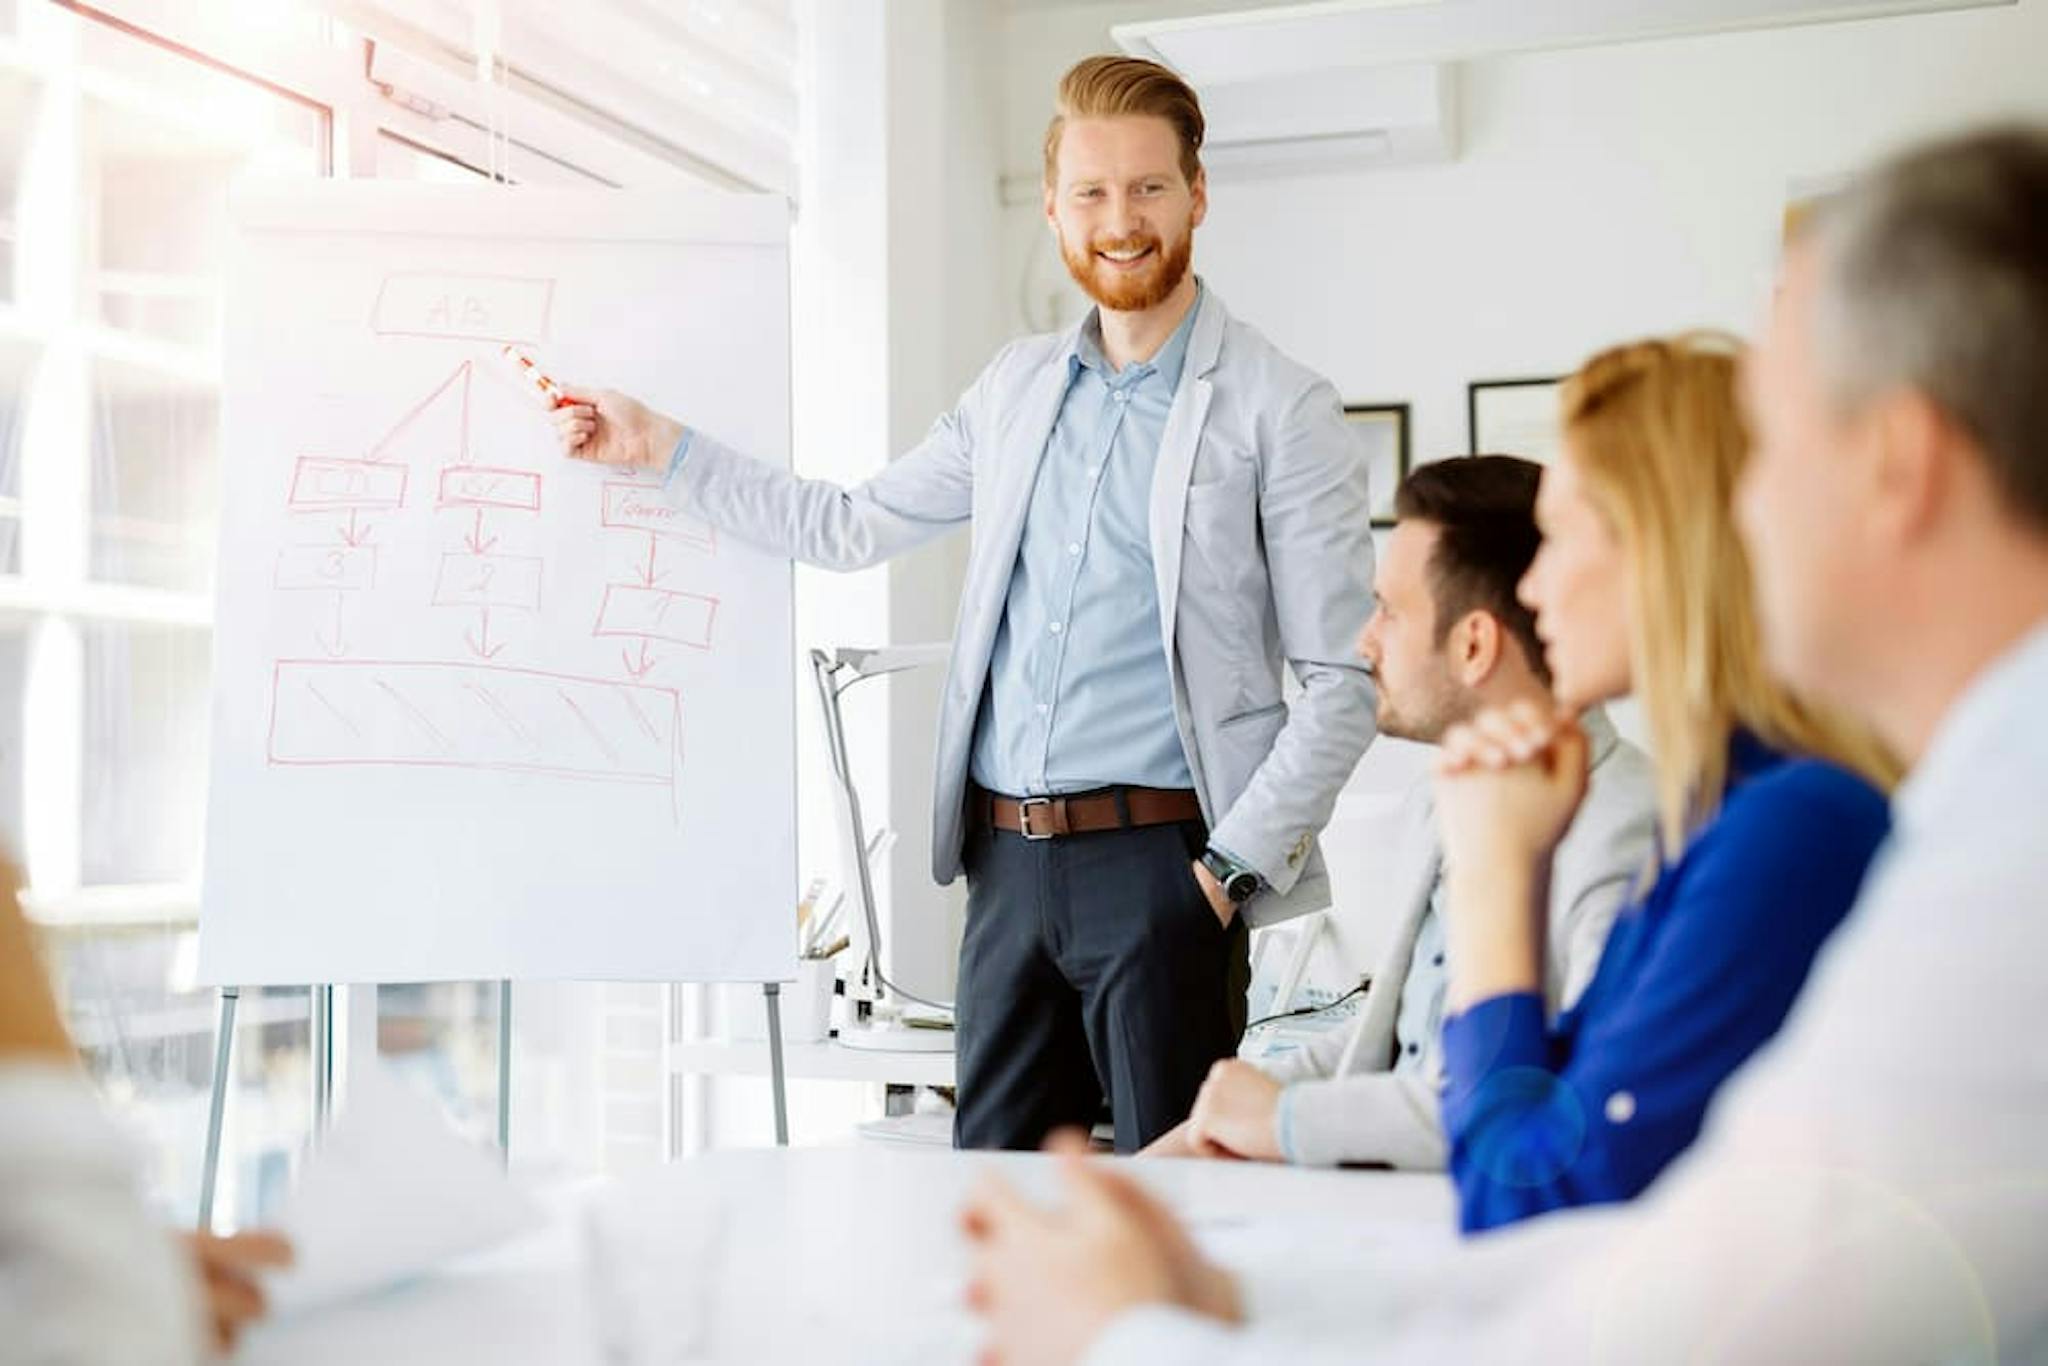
[1092, 968]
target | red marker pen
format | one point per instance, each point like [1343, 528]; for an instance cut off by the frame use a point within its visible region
[544, 388]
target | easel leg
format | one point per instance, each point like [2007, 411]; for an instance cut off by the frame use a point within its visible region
[322, 1035]
[773, 991]
[223, 1055]
[505, 1071]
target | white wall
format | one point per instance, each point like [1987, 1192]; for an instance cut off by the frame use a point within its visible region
[895, 312]
[1601, 194]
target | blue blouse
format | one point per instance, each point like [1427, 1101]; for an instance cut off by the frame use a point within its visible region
[1695, 978]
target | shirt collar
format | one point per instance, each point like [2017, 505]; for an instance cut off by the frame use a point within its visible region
[1999, 709]
[1167, 362]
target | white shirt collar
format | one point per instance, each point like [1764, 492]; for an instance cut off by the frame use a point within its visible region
[2000, 708]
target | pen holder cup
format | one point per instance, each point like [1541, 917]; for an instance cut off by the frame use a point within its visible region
[806, 1005]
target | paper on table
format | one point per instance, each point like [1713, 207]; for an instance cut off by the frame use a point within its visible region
[389, 1193]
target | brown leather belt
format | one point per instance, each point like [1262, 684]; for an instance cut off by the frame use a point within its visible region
[1085, 813]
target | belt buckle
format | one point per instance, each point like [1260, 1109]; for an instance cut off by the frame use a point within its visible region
[1024, 806]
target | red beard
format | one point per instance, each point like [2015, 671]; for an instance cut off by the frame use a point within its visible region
[1130, 291]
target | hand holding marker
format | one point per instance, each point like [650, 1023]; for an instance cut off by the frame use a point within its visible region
[544, 389]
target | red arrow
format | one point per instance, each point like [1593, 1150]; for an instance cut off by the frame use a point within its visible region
[647, 575]
[353, 537]
[483, 649]
[336, 647]
[475, 539]
[639, 670]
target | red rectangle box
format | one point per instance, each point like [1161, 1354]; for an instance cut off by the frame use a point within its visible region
[499, 308]
[635, 507]
[487, 487]
[488, 581]
[415, 714]
[320, 484]
[657, 614]
[336, 568]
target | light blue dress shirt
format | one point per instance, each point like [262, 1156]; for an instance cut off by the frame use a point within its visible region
[1078, 691]
[1421, 1017]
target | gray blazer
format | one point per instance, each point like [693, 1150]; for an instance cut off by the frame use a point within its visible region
[1260, 543]
[1348, 1103]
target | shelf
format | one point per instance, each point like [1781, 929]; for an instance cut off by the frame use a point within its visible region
[154, 906]
[811, 1062]
[106, 602]
[146, 358]
[96, 1030]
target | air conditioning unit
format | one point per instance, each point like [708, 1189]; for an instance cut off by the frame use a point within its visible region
[1280, 42]
[1331, 120]
[1298, 87]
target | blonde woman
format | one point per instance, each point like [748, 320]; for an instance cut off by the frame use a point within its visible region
[1769, 813]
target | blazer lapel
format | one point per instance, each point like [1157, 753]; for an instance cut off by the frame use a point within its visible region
[1372, 1042]
[1021, 444]
[1176, 463]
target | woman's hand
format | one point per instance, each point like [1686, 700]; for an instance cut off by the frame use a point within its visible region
[1508, 784]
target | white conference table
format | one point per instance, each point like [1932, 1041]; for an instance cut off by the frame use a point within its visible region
[807, 1255]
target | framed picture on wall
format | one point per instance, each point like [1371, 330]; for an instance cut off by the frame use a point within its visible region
[1514, 417]
[1384, 429]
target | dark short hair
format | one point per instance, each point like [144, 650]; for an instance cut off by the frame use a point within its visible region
[1484, 510]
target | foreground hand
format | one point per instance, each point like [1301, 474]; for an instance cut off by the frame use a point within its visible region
[1507, 785]
[1235, 1113]
[1182, 1141]
[1219, 900]
[1050, 1281]
[610, 428]
[227, 1270]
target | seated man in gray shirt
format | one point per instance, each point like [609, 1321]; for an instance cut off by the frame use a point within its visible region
[1448, 639]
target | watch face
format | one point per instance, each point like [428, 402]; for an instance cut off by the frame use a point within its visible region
[1241, 887]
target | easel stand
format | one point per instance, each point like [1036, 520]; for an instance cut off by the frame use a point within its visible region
[772, 992]
[323, 1076]
[322, 1048]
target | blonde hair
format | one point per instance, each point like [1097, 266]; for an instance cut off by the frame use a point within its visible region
[1654, 430]
[1114, 87]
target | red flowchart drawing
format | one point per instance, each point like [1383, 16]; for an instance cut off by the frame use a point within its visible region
[485, 486]
[329, 713]
[436, 423]
[656, 614]
[470, 579]
[344, 568]
[641, 607]
[320, 484]
[498, 308]
[636, 507]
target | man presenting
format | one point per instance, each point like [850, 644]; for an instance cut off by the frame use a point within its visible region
[1168, 515]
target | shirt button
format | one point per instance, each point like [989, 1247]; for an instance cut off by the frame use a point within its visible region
[1437, 961]
[1056, 628]
[1094, 470]
[1043, 708]
[1121, 395]
[1413, 1049]
[1073, 547]
[1621, 1108]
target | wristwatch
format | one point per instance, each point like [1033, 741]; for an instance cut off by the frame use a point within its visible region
[1239, 882]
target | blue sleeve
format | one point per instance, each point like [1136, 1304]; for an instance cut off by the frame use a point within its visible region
[1541, 1120]
[675, 461]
